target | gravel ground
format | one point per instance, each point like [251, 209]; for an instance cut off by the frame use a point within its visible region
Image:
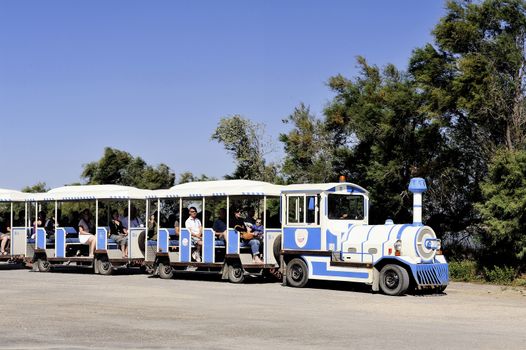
[76, 309]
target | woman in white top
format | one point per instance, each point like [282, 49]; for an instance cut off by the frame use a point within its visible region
[85, 236]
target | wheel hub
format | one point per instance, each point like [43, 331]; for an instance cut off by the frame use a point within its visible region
[297, 273]
[391, 279]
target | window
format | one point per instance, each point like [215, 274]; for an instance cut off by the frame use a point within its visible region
[345, 207]
[296, 209]
[302, 209]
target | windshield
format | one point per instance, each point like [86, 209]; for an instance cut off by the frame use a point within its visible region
[345, 207]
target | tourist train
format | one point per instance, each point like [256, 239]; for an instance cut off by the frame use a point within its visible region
[234, 228]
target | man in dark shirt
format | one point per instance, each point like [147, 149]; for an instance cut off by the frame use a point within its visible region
[118, 233]
[219, 225]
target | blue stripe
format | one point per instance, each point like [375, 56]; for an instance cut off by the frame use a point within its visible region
[184, 250]
[320, 269]
[208, 246]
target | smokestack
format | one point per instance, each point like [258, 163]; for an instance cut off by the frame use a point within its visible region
[417, 186]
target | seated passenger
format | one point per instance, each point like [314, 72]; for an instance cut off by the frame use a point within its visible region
[219, 225]
[247, 236]
[133, 220]
[51, 225]
[258, 229]
[118, 233]
[193, 225]
[152, 227]
[85, 229]
[5, 236]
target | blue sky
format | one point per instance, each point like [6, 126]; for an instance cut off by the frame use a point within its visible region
[154, 77]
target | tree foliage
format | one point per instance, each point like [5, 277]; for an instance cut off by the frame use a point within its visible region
[383, 138]
[121, 168]
[308, 149]
[244, 140]
[36, 188]
[188, 176]
[503, 209]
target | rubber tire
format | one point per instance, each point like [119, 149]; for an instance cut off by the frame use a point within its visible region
[43, 265]
[440, 289]
[297, 273]
[399, 285]
[165, 271]
[276, 249]
[104, 266]
[236, 274]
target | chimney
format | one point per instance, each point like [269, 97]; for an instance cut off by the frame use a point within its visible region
[417, 186]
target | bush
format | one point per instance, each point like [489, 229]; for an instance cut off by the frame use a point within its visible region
[500, 275]
[464, 270]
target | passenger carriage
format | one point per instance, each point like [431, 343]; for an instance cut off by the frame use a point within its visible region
[13, 211]
[61, 244]
[231, 257]
[326, 236]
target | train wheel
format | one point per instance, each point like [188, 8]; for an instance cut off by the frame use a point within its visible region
[165, 271]
[43, 265]
[394, 280]
[236, 274]
[297, 273]
[104, 266]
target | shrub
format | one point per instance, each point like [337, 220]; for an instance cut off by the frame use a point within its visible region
[500, 275]
[464, 270]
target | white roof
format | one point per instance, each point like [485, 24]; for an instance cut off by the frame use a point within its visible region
[86, 192]
[221, 188]
[325, 187]
[12, 195]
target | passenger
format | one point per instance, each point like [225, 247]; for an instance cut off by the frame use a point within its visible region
[247, 236]
[50, 226]
[219, 225]
[118, 233]
[258, 229]
[5, 236]
[85, 229]
[152, 227]
[194, 226]
[39, 222]
[134, 221]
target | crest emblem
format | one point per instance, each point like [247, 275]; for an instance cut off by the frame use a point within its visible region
[301, 236]
[185, 242]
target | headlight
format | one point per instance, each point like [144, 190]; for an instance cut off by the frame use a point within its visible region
[398, 245]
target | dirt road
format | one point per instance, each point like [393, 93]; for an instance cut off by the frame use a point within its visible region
[70, 309]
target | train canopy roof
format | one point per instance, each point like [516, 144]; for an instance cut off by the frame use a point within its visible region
[221, 188]
[12, 195]
[87, 192]
[326, 187]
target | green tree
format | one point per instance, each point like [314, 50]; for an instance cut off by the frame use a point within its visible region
[382, 136]
[187, 176]
[308, 149]
[36, 188]
[244, 140]
[472, 82]
[503, 208]
[121, 168]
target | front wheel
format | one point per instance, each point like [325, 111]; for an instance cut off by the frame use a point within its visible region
[394, 280]
[165, 271]
[236, 274]
[43, 265]
[104, 266]
[297, 273]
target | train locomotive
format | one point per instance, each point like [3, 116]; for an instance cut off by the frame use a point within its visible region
[330, 239]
